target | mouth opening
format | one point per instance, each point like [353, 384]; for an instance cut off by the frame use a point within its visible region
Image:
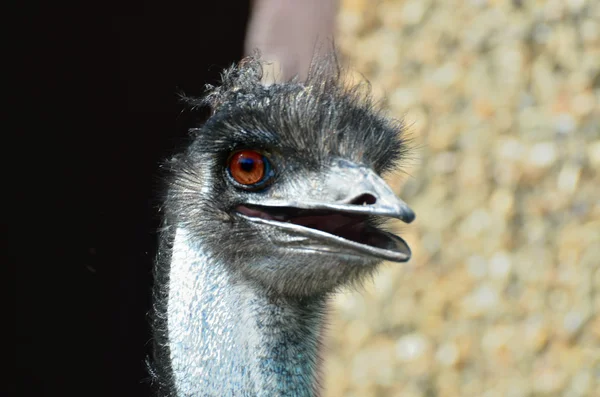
[356, 228]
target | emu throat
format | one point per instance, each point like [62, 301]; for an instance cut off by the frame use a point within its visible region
[228, 339]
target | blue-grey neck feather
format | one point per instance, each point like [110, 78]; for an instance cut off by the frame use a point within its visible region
[230, 338]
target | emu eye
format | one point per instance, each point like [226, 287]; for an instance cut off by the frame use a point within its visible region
[249, 168]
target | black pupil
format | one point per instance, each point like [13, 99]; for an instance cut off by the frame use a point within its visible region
[247, 164]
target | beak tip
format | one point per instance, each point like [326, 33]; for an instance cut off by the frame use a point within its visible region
[407, 215]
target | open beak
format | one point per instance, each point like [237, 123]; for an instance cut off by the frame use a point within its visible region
[342, 215]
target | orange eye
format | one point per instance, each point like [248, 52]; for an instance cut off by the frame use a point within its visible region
[248, 167]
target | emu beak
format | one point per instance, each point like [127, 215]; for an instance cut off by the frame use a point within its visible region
[339, 212]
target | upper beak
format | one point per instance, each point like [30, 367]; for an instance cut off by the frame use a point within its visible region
[355, 189]
[359, 190]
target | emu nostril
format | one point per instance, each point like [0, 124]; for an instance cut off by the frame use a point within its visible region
[364, 199]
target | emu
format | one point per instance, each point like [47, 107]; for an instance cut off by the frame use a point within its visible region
[277, 203]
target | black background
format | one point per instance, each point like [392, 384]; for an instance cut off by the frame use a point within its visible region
[96, 110]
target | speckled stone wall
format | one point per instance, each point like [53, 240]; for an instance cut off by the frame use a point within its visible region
[502, 296]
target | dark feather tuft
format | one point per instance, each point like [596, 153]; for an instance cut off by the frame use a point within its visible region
[321, 117]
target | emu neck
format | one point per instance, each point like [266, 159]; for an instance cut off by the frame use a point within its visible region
[230, 338]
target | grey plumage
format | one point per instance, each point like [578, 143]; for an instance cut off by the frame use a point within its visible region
[244, 271]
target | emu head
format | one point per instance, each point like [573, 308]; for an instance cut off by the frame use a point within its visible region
[283, 182]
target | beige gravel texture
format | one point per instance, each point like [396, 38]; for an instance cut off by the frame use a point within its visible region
[502, 296]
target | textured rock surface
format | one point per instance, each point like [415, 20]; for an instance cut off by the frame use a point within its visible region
[502, 297]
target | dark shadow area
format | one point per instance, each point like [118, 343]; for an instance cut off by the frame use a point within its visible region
[97, 111]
